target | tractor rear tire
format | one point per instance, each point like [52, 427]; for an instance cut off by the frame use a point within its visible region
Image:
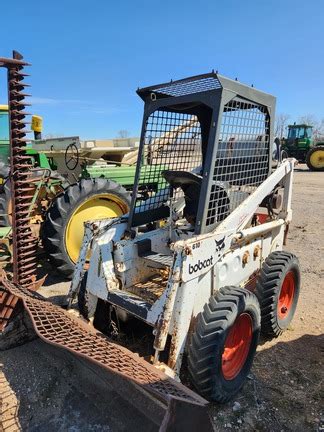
[277, 289]
[315, 158]
[223, 344]
[62, 230]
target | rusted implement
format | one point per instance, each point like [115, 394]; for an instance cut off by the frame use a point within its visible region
[176, 407]
[24, 243]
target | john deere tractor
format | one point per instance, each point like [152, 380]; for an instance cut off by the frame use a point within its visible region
[66, 195]
[301, 145]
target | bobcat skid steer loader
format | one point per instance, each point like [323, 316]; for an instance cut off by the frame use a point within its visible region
[199, 259]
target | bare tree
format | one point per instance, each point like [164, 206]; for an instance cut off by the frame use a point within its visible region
[123, 133]
[281, 125]
[308, 119]
[318, 125]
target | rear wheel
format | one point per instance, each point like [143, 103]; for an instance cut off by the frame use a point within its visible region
[315, 158]
[223, 345]
[63, 228]
[278, 290]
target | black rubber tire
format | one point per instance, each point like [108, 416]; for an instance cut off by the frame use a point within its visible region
[60, 211]
[207, 343]
[91, 307]
[268, 286]
[86, 307]
[83, 298]
[309, 154]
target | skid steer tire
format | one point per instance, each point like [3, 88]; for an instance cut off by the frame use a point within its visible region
[218, 360]
[62, 229]
[277, 289]
[87, 303]
[315, 158]
[91, 306]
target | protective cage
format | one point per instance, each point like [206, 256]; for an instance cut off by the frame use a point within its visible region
[215, 127]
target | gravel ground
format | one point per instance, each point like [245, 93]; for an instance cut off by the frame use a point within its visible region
[284, 391]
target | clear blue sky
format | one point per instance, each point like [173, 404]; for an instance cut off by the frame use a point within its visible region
[88, 57]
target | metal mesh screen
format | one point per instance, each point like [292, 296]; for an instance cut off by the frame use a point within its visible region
[172, 142]
[189, 86]
[242, 160]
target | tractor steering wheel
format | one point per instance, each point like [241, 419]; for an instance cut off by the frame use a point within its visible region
[71, 156]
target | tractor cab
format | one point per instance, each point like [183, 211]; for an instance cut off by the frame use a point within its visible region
[300, 133]
[298, 141]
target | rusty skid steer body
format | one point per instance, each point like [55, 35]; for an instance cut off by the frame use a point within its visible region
[189, 258]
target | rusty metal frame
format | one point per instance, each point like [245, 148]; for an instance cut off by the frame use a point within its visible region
[24, 242]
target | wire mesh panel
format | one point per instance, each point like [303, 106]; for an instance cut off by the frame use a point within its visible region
[172, 141]
[189, 86]
[242, 159]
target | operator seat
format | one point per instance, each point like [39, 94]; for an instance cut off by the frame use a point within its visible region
[190, 184]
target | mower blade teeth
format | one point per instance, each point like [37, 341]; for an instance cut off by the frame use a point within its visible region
[24, 241]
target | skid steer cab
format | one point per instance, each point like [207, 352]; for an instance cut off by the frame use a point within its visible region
[200, 259]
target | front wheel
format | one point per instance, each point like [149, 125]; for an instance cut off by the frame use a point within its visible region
[223, 344]
[277, 289]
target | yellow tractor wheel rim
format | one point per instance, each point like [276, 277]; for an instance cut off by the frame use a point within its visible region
[317, 159]
[103, 206]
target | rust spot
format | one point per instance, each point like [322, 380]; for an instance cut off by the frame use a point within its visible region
[188, 250]
[245, 258]
[256, 252]
[251, 282]
[172, 360]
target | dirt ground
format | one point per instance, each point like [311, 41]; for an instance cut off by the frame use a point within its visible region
[284, 391]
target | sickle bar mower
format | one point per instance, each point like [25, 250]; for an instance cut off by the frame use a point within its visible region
[23, 241]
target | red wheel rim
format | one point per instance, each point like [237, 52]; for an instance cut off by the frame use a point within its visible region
[286, 295]
[237, 346]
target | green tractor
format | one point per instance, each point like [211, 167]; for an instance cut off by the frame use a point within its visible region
[62, 202]
[301, 145]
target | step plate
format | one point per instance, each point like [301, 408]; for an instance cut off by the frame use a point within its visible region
[159, 260]
[151, 290]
